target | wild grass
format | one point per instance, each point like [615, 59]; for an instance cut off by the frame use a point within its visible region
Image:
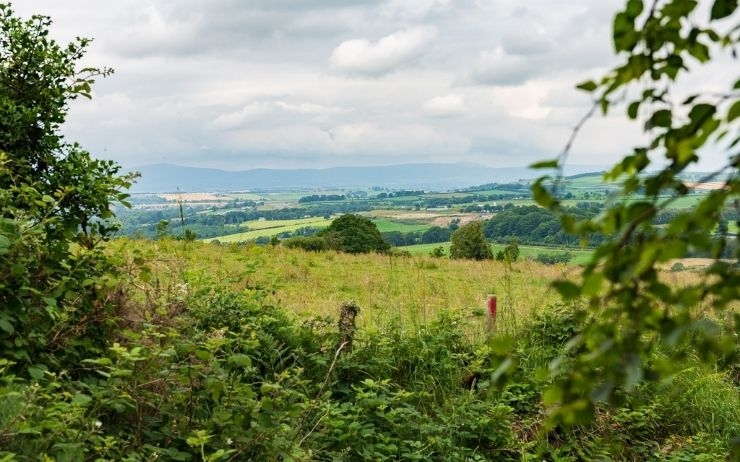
[391, 290]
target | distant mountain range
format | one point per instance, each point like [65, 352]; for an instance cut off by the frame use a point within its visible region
[162, 178]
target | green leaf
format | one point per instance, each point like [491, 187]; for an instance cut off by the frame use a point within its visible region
[36, 372]
[6, 326]
[723, 8]
[632, 109]
[734, 111]
[240, 360]
[634, 8]
[623, 32]
[81, 399]
[545, 164]
[4, 244]
[660, 118]
[566, 289]
[588, 85]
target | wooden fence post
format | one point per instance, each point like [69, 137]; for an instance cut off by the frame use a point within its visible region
[347, 314]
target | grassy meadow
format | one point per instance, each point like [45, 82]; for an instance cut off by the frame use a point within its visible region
[406, 291]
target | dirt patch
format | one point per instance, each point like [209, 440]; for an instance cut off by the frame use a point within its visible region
[194, 197]
[690, 262]
[706, 186]
[464, 218]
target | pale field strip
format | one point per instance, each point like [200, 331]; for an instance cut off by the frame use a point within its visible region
[195, 197]
[707, 186]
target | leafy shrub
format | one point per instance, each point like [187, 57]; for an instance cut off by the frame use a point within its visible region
[310, 243]
[553, 258]
[510, 252]
[469, 242]
[354, 234]
[437, 252]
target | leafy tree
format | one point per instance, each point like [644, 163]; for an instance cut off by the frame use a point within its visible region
[469, 242]
[510, 252]
[437, 252]
[436, 234]
[630, 313]
[354, 234]
[55, 202]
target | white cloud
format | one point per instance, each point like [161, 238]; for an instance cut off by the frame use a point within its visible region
[445, 106]
[414, 9]
[255, 111]
[497, 67]
[360, 56]
[391, 141]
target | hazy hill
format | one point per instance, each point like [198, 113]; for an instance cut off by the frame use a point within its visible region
[171, 178]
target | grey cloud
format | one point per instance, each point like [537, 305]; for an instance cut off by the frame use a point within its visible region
[286, 83]
[497, 67]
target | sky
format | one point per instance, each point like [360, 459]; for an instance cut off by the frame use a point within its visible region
[242, 84]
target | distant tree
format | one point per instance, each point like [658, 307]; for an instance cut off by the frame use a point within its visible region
[354, 234]
[510, 252]
[553, 258]
[469, 242]
[438, 252]
[310, 243]
[436, 234]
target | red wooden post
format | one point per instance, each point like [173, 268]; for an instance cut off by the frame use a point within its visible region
[491, 327]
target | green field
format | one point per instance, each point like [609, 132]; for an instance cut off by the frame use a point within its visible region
[386, 225]
[269, 228]
[579, 256]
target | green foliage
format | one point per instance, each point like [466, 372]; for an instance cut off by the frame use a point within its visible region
[510, 252]
[469, 242]
[630, 313]
[354, 234]
[437, 252]
[55, 203]
[553, 259]
[310, 243]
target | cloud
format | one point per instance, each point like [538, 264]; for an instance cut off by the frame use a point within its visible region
[390, 141]
[445, 106]
[413, 9]
[259, 111]
[497, 67]
[274, 83]
[360, 56]
[527, 42]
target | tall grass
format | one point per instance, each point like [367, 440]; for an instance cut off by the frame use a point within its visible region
[407, 291]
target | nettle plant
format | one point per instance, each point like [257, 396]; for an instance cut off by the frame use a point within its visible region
[629, 313]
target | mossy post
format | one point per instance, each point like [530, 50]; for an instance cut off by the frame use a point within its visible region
[347, 314]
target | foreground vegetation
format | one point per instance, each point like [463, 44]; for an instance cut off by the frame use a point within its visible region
[175, 350]
[203, 363]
